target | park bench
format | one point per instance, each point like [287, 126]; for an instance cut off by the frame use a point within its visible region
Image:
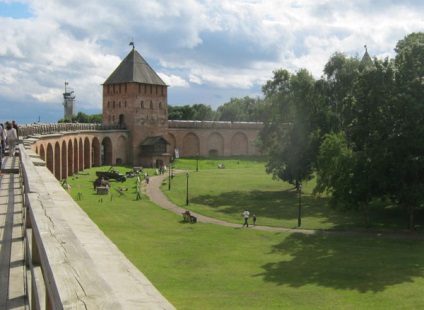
[189, 218]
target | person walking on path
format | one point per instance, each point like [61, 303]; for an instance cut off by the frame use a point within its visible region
[11, 139]
[254, 220]
[246, 218]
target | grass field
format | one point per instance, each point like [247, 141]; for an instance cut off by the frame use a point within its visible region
[205, 266]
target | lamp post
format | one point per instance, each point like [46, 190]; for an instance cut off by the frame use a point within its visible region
[187, 190]
[197, 163]
[299, 219]
[169, 177]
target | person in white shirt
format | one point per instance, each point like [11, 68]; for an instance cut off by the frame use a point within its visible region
[246, 218]
[12, 138]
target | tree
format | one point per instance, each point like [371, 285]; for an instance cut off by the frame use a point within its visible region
[246, 109]
[287, 136]
[203, 112]
[185, 112]
[406, 142]
[83, 118]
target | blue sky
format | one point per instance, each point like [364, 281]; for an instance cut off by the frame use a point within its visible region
[206, 51]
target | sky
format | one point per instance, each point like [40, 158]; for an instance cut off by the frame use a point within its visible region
[207, 51]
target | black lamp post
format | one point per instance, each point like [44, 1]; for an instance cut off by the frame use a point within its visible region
[197, 163]
[187, 190]
[299, 219]
[169, 177]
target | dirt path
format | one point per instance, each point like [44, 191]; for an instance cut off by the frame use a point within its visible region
[159, 198]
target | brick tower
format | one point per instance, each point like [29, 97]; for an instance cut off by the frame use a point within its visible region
[136, 97]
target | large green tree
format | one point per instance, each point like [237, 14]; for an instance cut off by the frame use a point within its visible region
[288, 135]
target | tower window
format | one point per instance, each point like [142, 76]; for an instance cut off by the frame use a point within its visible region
[142, 104]
[151, 104]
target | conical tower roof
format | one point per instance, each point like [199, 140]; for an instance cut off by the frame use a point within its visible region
[134, 69]
[366, 60]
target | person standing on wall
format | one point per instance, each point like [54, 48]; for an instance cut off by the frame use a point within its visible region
[11, 139]
[3, 135]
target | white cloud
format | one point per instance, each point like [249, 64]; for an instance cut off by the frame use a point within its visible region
[173, 80]
[221, 45]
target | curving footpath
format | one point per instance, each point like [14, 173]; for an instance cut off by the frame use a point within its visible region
[159, 198]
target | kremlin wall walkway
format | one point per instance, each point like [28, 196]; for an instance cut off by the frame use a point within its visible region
[52, 256]
[12, 271]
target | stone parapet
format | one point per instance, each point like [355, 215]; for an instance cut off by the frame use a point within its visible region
[214, 124]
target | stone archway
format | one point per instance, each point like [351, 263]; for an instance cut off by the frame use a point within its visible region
[107, 151]
[215, 144]
[239, 144]
[70, 158]
[56, 160]
[190, 145]
[96, 157]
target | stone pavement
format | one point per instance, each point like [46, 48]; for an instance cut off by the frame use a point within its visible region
[12, 271]
[159, 198]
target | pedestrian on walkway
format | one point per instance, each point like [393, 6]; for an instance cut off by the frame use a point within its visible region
[254, 219]
[3, 135]
[246, 218]
[147, 178]
[11, 139]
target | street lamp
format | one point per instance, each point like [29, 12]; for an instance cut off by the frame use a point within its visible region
[187, 190]
[169, 177]
[299, 219]
[197, 163]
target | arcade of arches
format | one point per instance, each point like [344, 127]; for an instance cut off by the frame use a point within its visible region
[70, 153]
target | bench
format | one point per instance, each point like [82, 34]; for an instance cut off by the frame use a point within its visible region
[189, 218]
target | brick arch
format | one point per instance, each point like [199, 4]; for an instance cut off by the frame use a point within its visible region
[75, 159]
[70, 158]
[80, 155]
[87, 153]
[63, 161]
[50, 158]
[190, 145]
[121, 150]
[107, 151]
[239, 144]
[96, 152]
[42, 152]
[56, 160]
[173, 143]
[215, 144]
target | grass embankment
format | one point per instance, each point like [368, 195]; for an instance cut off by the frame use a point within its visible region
[205, 266]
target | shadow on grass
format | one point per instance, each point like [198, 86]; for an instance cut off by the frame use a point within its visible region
[274, 204]
[283, 205]
[361, 264]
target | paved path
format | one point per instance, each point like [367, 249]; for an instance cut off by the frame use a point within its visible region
[12, 269]
[159, 198]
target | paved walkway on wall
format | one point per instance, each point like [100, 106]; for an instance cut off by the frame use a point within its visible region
[12, 271]
[158, 197]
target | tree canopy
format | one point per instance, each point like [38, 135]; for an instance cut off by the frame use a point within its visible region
[358, 128]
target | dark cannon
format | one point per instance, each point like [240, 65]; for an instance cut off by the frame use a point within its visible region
[111, 174]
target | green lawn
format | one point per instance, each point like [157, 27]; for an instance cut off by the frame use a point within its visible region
[205, 266]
